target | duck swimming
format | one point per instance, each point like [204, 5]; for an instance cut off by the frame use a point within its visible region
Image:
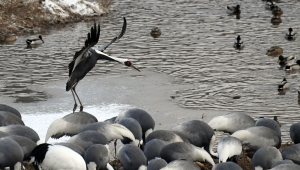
[270, 5]
[155, 32]
[32, 41]
[293, 66]
[277, 11]
[290, 35]
[283, 85]
[235, 10]
[275, 50]
[285, 60]
[239, 44]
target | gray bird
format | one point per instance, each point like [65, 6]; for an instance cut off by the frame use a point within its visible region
[231, 122]
[69, 125]
[144, 118]
[131, 157]
[11, 119]
[111, 120]
[111, 131]
[186, 151]
[134, 127]
[198, 132]
[270, 123]
[21, 131]
[97, 157]
[156, 164]
[85, 60]
[2, 121]
[164, 135]
[87, 138]
[295, 132]
[257, 137]
[265, 157]
[152, 148]
[292, 153]
[181, 165]
[26, 144]
[286, 167]
[282, 162]
[11, 154]
[226, 166]
[4, 107]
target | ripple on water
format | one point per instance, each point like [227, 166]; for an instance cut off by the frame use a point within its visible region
[196, 46]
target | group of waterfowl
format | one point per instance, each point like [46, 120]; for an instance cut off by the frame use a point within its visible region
[188, 145]
[289, 63]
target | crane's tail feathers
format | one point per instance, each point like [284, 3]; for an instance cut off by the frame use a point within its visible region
[211, 145]
[124, 131]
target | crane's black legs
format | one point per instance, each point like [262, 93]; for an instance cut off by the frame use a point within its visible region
[75, 105]
[75, 94]
[81, 106]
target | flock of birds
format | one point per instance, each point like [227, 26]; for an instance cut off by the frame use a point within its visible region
[184, 146]
[189, 145]
[288, 63]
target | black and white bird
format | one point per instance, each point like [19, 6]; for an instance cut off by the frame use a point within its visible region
[85, 60]
[234, 9]
[47, 156]
[283, 85]
[97, 157]
[69, 125]
[134, 126]
[132, 157]
[231, 122]
[35, 41]
[290, 35]
[265, 157]
[239, 44]
[11, 154]
[229, 148]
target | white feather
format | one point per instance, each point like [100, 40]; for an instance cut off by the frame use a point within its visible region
[62, 158]
[109, 167]
[142, 167]
[202, 155]
[258, 168]
[211, 145]
[91, 166]
[18, 166]
[229, 149]
[148, 132]
[62, 126]
[120, 60]
[219, 123]
[118, 132]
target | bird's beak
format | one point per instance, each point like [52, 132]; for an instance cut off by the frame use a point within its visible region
[278, 61]
[135, 67]
[239, 9]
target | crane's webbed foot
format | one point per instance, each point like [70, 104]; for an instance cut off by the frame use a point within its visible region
[75, 106]
[81, 108]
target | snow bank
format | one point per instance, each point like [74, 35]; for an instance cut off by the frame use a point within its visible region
[65, 8]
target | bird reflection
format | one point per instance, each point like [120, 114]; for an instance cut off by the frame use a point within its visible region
[276, 20]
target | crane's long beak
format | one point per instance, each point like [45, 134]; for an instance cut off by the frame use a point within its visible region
[135, 67]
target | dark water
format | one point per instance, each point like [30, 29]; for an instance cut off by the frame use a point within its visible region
[196, 47]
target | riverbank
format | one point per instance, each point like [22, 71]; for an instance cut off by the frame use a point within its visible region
[19, 17]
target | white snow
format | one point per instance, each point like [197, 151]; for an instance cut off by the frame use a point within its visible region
[65, 8]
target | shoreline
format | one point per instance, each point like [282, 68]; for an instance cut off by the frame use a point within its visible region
[19, 17]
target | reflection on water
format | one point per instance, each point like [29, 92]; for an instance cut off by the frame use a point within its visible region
[195, 46]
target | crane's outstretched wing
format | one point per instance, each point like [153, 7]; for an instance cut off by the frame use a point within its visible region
[92, 39]
[103, 47]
